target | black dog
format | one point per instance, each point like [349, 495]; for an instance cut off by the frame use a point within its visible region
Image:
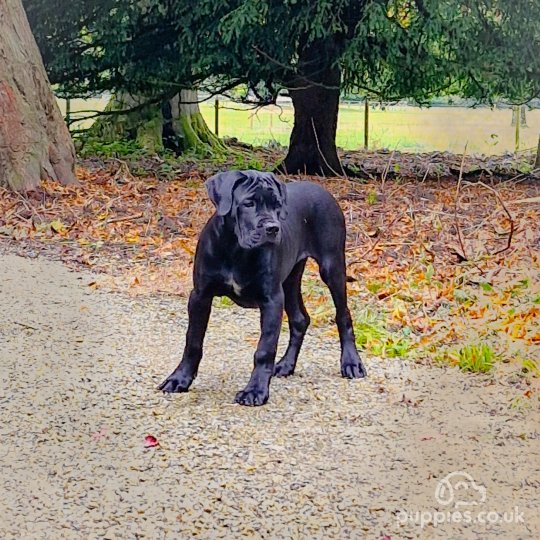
[253, 250]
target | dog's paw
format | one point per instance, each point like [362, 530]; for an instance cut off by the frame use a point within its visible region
[252, 397]
[283, 369]
[353, 369]
[175, 384]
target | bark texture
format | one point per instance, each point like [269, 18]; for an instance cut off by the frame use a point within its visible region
[143, 125]
[34, 140]
[189, 127]
[315, 97]
[176, 124]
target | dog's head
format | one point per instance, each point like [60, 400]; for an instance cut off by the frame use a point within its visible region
[256, 202]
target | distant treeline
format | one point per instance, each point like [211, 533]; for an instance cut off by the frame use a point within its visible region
[444, 101]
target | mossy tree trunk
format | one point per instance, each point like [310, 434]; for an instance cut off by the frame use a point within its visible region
[189, 126]
[34, 140]
[176, 124]
[143, 126]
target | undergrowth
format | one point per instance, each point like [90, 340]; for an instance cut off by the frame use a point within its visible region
[166, 165]
[476, 358]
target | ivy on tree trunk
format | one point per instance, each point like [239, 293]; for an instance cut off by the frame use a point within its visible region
[176, 124]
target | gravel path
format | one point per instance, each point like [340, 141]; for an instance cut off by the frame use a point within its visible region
[326, 458]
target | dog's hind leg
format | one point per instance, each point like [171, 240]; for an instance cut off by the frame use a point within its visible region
[332, 269]
[298, 320]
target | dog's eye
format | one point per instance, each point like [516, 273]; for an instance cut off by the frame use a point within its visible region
[249, 204]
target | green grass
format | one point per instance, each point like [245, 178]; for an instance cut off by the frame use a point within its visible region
[372, 198]
[531, 366]
[373, 336]
[411, 129]
[476, 358]
[119, 149]
[222, 302]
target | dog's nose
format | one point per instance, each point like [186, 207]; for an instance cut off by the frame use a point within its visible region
[272, 230]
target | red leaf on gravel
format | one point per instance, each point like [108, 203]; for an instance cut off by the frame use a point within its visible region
[385, 537]
[150, 441]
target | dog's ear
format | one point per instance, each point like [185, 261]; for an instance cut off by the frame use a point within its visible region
[220, 190]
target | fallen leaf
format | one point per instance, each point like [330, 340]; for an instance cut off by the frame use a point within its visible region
[150, 441]
[57, 226]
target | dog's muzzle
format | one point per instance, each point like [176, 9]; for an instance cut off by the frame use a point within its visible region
[272, 230]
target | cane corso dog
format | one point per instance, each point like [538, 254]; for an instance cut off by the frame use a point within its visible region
[254, 250]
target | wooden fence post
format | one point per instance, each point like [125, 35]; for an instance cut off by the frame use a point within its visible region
[216, 117]
[518, 122]
[68, 112]
[366, 123]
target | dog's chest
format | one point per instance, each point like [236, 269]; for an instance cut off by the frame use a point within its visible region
[238, 276]
[240, 291]
[231, 282]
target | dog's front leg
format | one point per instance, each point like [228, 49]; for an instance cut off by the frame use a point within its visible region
[257, 390]
[180, 379]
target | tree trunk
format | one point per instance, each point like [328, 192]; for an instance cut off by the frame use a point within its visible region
[176, 125]
[537, 160]
[315, 97]
[189, 127]
[34, 140]
[144, 126]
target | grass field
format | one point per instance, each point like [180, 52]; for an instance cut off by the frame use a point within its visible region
[411, 129]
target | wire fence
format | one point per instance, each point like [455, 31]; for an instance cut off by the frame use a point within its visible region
[396, 127]
[400, 127]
